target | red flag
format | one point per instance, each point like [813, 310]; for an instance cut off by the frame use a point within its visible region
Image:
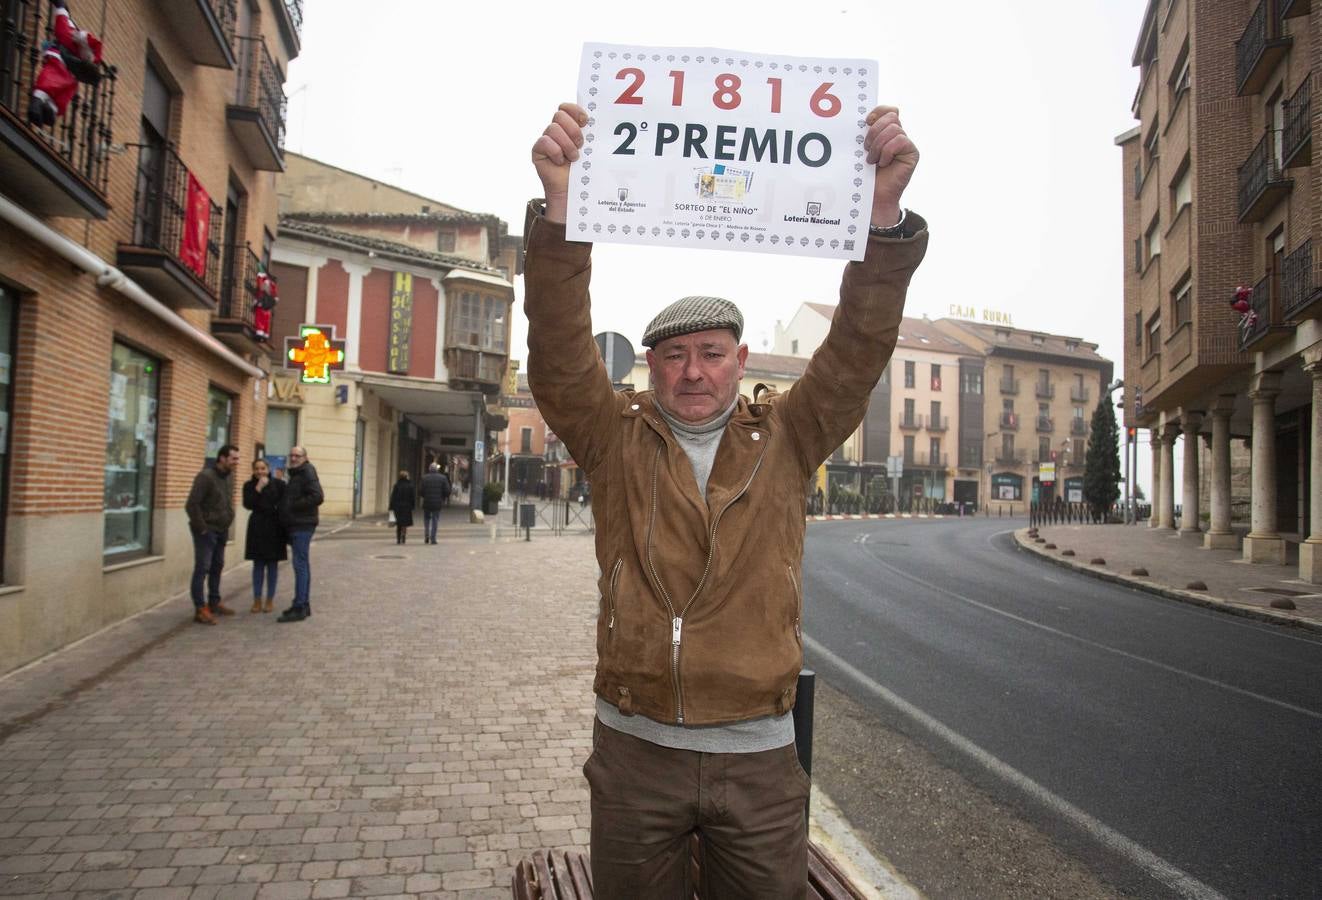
[197, 222]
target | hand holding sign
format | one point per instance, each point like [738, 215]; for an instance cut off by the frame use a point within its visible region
[554, 151]
[895, 156]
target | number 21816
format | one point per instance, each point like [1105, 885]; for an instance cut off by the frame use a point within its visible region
[727, 92]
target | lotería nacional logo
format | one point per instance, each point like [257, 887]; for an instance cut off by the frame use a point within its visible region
[814, 209]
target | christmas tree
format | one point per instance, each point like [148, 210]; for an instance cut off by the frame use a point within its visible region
[1101, 472]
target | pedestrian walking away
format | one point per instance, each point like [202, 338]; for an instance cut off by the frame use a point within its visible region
[298, 515]
[435, 491]
[402, 500]
[210, 508]
[264, 543]
[698, 651]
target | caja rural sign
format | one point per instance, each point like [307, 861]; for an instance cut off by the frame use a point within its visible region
[695, 147]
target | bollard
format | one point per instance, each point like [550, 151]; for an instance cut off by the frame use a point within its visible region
[802, 713]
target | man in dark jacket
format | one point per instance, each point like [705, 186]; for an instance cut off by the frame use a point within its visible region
[210, 508]
[698, 497]
[435, 491]
[298, 515]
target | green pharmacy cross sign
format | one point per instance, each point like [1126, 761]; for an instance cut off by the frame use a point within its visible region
[316, 352]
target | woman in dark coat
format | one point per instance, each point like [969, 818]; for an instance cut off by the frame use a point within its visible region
[402, 500]
[265, 541]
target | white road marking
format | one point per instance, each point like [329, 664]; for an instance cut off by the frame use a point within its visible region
[1243, 692]
[1177, 879]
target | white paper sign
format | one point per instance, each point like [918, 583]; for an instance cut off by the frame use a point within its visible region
[695, 147]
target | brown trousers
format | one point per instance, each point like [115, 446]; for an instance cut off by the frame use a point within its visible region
[750, 810]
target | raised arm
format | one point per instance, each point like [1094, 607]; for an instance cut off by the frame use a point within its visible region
[565, 371]
[830, 400]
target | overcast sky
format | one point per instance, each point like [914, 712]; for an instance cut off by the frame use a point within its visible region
[1014, 105]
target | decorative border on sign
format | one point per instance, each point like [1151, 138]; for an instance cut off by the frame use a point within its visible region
[589, 136]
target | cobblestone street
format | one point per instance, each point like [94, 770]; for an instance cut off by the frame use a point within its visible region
[420, 733]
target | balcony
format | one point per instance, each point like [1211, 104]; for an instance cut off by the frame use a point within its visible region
[1261, 184]
[475, 370]
[1010, 457]
[1079, 394]
[1009, 385]
[938, 423]
[1044, 424]
[205, 28]
[257, 115]
[913, 422]
[1299, 287]
[1079, 427]
[156, 256]
[1009, 421]
[289, 16]
[63, 170]
[1259, 49]
[1297, 137]
[1268, 330]
[1045, 390]
[928, 461]
[1291, 8]
[233, 324]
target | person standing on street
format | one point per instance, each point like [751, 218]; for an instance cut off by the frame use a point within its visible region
[402, 500]
[435, 491]
[265, 541]
[298, 515]
[698, 495]
[210, 508]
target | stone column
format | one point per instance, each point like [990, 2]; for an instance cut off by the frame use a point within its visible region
[1263, 543]
[1167, 498]
[1310, 551]
[1190, 422]
[1154, 499]
[1219, 536]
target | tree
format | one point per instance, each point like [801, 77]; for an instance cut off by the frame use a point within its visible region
[1101, 471]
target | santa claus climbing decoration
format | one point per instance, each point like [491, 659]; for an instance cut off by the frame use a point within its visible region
[263, 302]
[74, 56]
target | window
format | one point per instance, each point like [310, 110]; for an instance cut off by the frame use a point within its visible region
[936, 415]
[1043, 410]
[908, 411]
[936, 377]
[1154, 336]
[908, 449]
[794, 347]
[281, 434]
[971, 382]
[1007, 406]
[1181, 302]
[1182, 188]
[970, 455]
[1150, 149]
[478, 321]
[130, 452]
[934, 451]
[1071, 346]
[909, 375]
[1138, 178]
[1276, 127]
[1044, 382]
[220, 409]
[1138, 329]
[525, 440]
[1044, 449]
[445, 241]
[1080, 451]
[1152, 241]
[1007, 446]
[1179, 80]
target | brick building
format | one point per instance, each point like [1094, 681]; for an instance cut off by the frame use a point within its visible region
[420, 292]
[1220, 191]
[131, 230]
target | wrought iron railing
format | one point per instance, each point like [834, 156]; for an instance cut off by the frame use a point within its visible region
[1078, 426]
[295, 8]
[226, 13]
[261, 87]
[1255, 326]
[160, 212]
[239, 287]
[1006, 457]
[938, 423]
[1009, 385]
[1298, 123]
[1251, 44]
[81, 138]
[911, 420]
[1009, 421]
[1045, 390]
[1044, 424]
[1298, 286]
[1257, 172]
[475, 365]
[1078, 394]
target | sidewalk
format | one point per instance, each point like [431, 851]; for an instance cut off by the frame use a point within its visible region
[1173, 562]
[417, 736]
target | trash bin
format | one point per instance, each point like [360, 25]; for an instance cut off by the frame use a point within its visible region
[527, 515]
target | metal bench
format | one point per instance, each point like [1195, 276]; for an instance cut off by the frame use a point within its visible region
[555, 875]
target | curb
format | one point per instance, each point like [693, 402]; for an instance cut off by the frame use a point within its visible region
[874, 876]
[1023, 542]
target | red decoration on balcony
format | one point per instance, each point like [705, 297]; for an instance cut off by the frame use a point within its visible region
[197, 225]
[263, 302]
[52, 90]
[1242, 303]
[81, 44]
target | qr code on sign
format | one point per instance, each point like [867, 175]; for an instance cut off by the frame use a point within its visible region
[849, 246]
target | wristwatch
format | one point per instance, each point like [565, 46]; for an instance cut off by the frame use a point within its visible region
[890, 231]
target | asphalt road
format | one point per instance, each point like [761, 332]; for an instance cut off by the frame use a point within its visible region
[1164, 749]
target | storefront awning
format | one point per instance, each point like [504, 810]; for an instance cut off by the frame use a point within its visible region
[428, 404]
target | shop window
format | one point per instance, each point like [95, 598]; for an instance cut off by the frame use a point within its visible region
[281, 434]
[220, 412]
[8, 313]
[130, 452]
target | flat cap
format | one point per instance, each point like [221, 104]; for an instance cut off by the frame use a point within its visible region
[689, 314]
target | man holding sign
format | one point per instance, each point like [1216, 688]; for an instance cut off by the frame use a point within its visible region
[698, 495]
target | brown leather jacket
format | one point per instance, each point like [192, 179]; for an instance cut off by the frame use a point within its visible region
[700, 598]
